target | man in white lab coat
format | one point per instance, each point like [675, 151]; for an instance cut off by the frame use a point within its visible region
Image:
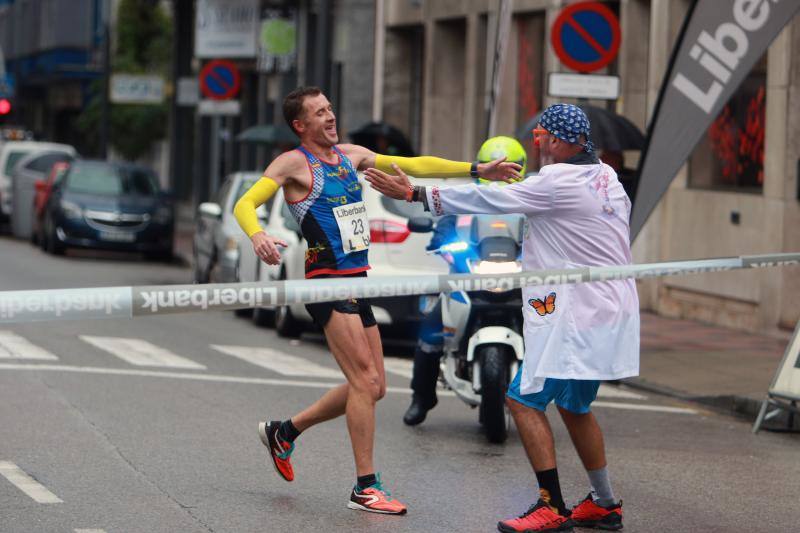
[575, 335]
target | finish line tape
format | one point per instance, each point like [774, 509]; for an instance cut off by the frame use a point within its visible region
[127, 302]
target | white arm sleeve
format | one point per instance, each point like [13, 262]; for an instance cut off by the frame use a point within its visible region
[533, 196]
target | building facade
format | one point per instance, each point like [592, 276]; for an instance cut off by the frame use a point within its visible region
[736, 195]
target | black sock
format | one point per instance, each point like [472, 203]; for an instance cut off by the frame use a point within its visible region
[287, 431]
[550, 489]
[364, 482]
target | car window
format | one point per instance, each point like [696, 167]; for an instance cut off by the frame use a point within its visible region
[402, 208]
[44, 162]
[13, 157]
[108, 180]
[139, 182]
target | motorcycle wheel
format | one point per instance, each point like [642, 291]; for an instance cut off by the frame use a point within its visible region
[494, 384]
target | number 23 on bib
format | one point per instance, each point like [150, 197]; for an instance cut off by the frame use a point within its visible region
[353, 226]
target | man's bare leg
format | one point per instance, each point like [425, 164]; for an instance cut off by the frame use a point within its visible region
[537, 438]
[331, 405]
[350, 346]
[587, 437]
[536, 434]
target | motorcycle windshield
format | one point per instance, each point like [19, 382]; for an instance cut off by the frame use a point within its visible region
[498, 238]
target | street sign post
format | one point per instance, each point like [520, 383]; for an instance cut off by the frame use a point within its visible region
[583, 86]
[586, 36]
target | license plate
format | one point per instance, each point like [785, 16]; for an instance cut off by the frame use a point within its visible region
[117, 236]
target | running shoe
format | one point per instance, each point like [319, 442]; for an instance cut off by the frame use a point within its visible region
[589, 514]
[375, 499]
[279, 450]
[539, 517]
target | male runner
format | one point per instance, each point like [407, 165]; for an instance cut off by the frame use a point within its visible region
[324, 195]
[575, 335]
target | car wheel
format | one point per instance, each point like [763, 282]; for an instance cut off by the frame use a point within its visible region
[264, 317]
[54, 246]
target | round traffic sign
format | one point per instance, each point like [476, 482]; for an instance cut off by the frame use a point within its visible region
[586, 36]
[220, 80]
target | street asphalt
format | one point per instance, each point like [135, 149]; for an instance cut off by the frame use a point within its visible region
[102, 431]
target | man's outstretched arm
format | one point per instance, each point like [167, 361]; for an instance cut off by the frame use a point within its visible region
[434, 167]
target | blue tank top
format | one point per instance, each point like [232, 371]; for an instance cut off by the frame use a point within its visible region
[332, 218]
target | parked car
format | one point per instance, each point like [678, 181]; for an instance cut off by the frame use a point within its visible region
[112, 206]
[221, 250]
[30, 170]
[42, 195]
[393, 251]
[13, 152]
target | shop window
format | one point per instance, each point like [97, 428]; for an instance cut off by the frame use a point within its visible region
[730, 156]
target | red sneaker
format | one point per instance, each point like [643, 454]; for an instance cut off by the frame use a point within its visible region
[589, 514]
[279, 450]
[540, 517]
[375, 499]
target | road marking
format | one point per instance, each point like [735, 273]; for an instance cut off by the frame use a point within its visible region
[89, 530]
[400, 367]
[280, 362]
[280, 382]
[141, 353]
[607, 391]
[640, 407]
[13, 346]
[27, 484]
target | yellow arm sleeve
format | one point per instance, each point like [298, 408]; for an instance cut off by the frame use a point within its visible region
[424, 167]
[245, 208]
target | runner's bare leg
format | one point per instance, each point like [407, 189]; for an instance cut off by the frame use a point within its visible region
[352, 349]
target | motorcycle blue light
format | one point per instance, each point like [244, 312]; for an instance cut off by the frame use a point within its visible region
[458, 246]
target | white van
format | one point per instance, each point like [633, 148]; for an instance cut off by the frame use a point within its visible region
[11, 153]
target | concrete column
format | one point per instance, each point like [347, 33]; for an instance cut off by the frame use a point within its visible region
[471, 96]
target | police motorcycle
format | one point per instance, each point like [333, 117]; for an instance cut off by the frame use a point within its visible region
[482, 329]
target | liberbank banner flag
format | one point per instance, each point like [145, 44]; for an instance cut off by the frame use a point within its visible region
[719, 43]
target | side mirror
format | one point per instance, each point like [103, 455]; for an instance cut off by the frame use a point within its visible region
[420, 224]
[210, 209]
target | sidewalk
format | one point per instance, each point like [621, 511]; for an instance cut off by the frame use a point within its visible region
[720, 367]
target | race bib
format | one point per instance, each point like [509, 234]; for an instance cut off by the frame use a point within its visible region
[353, 226]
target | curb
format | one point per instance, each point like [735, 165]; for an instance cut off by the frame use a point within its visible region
[742, 407]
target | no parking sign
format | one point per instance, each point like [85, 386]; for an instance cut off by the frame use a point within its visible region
[586, 36]
[220, 80]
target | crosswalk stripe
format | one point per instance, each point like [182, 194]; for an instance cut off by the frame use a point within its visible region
[280, 362]
[17, 477]
[140, 352]
[399, 367]
[13, 346]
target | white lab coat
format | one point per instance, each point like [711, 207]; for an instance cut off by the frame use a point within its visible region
[577, 216]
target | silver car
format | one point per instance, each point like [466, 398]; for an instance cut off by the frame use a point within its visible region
[220, 247]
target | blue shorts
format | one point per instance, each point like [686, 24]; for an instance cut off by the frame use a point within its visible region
[574, 395]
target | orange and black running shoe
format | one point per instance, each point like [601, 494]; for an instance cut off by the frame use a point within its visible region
[539, 517]
[589, 514]
[375, 499]
[279, 450]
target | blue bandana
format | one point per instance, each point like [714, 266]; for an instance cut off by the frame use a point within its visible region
[567, 122]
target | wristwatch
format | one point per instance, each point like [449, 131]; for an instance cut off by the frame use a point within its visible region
[473, 170]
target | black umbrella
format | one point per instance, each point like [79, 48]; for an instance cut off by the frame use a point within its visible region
[610, 132]
[268, 134]
[393, 142]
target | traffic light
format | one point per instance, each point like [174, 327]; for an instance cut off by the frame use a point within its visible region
[5, 106]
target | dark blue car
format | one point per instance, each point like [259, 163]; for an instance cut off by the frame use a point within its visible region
[111, 206]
